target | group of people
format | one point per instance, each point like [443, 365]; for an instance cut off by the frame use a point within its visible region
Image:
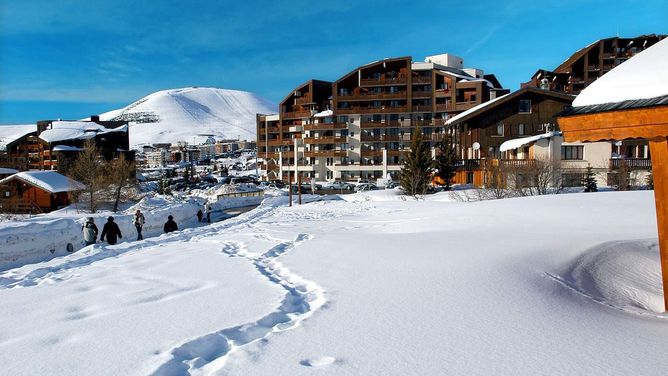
[112, 232]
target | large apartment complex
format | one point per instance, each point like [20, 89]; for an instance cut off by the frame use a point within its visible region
[360, 126]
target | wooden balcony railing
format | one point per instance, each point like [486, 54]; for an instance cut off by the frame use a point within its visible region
[422, 108]
[385, 124]
[325, 153]
[372, 96]
[422, 94]
[295, 114]
[280, 142]
[631, 163]
[382, 81]
[303, 100]
[325, 140]
[444, 107]
[421, 79]
[324, 126]
[372, 110]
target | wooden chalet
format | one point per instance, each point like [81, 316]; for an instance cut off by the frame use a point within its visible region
[631, 102]
[36, 192]
[479, 133]
[55, 144]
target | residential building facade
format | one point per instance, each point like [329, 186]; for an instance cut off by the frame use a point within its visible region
[360, 126]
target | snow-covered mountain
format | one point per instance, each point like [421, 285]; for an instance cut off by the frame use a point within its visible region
[181, 114]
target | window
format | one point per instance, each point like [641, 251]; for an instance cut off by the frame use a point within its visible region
[572, 153]
[520, 129]
[376, 104]
[376, 76]
[499, 130]
[525, 106]
[343, 91]
[343, 119]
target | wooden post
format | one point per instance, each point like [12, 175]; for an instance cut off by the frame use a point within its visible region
[659, 153]
[299, 189]
[290, 189]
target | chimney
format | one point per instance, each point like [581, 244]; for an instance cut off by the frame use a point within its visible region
[95, 118]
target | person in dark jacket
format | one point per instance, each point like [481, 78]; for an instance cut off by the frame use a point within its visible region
[199, 215]
[89, 231]
[170, 225]
[111, 230]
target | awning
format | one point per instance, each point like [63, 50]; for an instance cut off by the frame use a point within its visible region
[519, 142]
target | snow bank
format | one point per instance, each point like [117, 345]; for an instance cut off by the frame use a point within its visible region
[623, 274]
[44, 237]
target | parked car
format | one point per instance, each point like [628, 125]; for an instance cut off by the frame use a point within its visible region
[365, 187]
[339, 185]
[391, 185]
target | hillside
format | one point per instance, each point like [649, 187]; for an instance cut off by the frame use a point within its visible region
[179, 114]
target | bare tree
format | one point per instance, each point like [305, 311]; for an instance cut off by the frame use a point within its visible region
[119, 177]
[88, 169]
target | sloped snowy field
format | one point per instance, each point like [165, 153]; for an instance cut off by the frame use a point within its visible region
[180, 114]
[376, 285]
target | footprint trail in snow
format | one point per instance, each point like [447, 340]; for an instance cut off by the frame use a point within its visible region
[209, 353]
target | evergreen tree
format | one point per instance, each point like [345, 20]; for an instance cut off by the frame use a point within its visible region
[417, 167]
[186, 174]
[589, 181]
[445, 162]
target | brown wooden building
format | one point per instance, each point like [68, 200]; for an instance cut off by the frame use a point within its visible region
[590, 63]
[55, 144]
[359, 126]
[36, 192]
[479, 133]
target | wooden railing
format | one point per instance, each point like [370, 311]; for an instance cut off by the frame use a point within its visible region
[382, 81]
[241, 194]
[325, 140]
[325, 153]
[631, 163]
[324, 126]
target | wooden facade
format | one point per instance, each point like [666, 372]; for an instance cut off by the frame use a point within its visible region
[523, 113]
[32, 153]
[19, 195]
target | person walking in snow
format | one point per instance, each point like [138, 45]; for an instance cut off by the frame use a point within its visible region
[207, 209]
[138, 221]
[112, 231]
[170, 225]
[199, 215]
[89, 231]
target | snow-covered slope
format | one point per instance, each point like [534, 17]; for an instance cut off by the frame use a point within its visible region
[179, 114]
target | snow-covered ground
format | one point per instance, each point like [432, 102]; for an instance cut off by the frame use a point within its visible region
[369, 284]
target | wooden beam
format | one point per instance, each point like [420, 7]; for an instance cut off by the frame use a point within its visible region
[659, 153]
[647, 123]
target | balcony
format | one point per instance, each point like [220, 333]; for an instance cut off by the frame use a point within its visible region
[382, 81]
[386, 124]
[462, 106]
[421, 79]
[444, 107]
[268, 155]
[325, 140]
[423, 108]
[325, 153]
[304, 100]
[295, 114]
[271, 130]
[283, 142]
[371, 153]
[372, 110]
[324, 126]
[631, 163]
[421, 94]
[372, 96]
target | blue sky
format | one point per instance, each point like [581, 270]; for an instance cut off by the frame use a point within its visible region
[71, 58]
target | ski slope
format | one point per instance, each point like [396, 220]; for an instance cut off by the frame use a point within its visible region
[169, 116]
[366, 284]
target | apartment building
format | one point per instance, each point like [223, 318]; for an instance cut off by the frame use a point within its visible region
[359, 127]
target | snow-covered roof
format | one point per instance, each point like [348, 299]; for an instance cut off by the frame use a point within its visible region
[7, 171]
[324, 113]
[50, 181]
[76, 130]
[471, 110]
[643, 76]
[519, 142]
[66, 148]
[9, 133]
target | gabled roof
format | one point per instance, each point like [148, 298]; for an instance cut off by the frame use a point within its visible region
[409, 58]
[483, 107]
[49, 181]
[76, 130]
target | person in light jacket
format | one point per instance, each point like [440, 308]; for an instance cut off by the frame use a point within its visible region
[138, 221]
[89, 231]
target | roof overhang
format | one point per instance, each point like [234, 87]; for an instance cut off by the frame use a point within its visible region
[648, 123]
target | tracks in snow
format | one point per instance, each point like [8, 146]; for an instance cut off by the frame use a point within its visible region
[209, 353]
